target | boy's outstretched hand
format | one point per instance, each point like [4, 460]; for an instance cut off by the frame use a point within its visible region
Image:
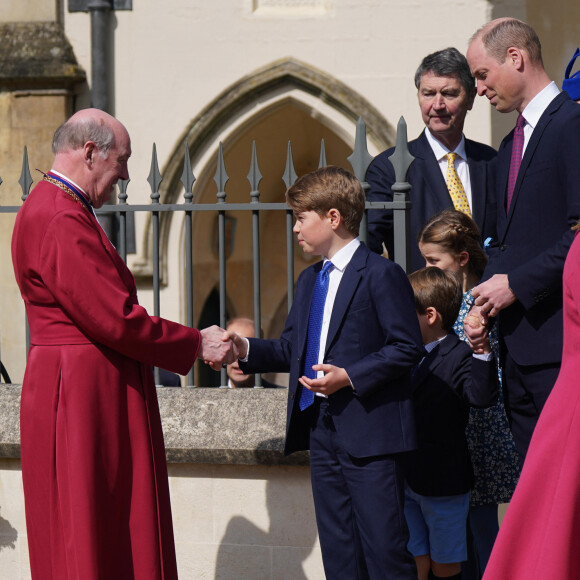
[240, 342]
[334, 379]
[214, 350]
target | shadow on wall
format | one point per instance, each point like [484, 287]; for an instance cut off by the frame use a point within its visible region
[8, 535]
[247, 551]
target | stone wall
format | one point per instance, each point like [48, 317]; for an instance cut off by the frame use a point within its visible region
[241, 510]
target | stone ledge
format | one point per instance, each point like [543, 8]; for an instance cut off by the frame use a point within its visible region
[9, 421]
[37, 55]
[215, 426]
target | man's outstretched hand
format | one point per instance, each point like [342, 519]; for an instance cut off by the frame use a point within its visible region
[214, 350]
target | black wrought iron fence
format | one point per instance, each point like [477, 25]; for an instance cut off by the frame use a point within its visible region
[359, 160]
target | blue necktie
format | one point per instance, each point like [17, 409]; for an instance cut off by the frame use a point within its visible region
[314, 328]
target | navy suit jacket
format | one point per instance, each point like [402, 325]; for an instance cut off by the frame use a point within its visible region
[534, 237]
[374, 334]
[447, 382]
[429, 194]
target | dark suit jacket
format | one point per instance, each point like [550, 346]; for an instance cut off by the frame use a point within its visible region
[445, 385]
[429, 194]
[534, 238]
[375, 336]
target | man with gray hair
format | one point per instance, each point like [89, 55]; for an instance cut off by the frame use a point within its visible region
[449, 170]
[93, 460]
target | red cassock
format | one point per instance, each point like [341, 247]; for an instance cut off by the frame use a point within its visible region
[93, 459]
[539, 538]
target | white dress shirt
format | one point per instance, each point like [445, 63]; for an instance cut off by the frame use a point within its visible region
[340, 261]
[535, 109]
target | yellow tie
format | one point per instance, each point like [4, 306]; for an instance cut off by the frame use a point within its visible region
[455, 186]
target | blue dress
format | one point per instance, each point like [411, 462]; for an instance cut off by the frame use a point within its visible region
[491, 445]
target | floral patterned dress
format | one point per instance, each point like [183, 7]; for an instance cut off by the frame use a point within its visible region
[491, 445]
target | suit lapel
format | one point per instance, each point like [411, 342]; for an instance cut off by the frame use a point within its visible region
[428, 362]
[501, 180]
[433, 359]
[478, 181]
[537, 133]
[348, 285]
[432, 176]
[528, 155]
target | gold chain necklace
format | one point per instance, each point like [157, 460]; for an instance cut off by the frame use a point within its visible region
[64, 188]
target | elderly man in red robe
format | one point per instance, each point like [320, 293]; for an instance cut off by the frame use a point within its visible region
[93, 459]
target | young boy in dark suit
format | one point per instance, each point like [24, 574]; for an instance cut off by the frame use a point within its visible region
[350, 342]
[438, 475]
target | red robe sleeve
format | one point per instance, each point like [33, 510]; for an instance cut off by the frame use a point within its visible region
[93, 286]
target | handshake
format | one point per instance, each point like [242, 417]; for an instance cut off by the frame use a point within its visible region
[219, 347]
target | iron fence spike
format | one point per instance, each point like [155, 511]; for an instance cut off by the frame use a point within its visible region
[123, 183]
[322, 161]
[221, 176]
[254, 176]
[360, 158]
[187, 177]
[289, 176]
[25, 180]
[401, 157]
[154, 178]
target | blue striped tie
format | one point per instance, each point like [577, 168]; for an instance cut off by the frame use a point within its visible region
[314, 328]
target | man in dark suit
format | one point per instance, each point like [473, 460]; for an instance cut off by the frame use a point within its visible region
[349, 393]
[446, 91]
[538, 201]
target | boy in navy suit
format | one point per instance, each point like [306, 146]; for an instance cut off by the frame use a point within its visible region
[438, 475]
[350, 342]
